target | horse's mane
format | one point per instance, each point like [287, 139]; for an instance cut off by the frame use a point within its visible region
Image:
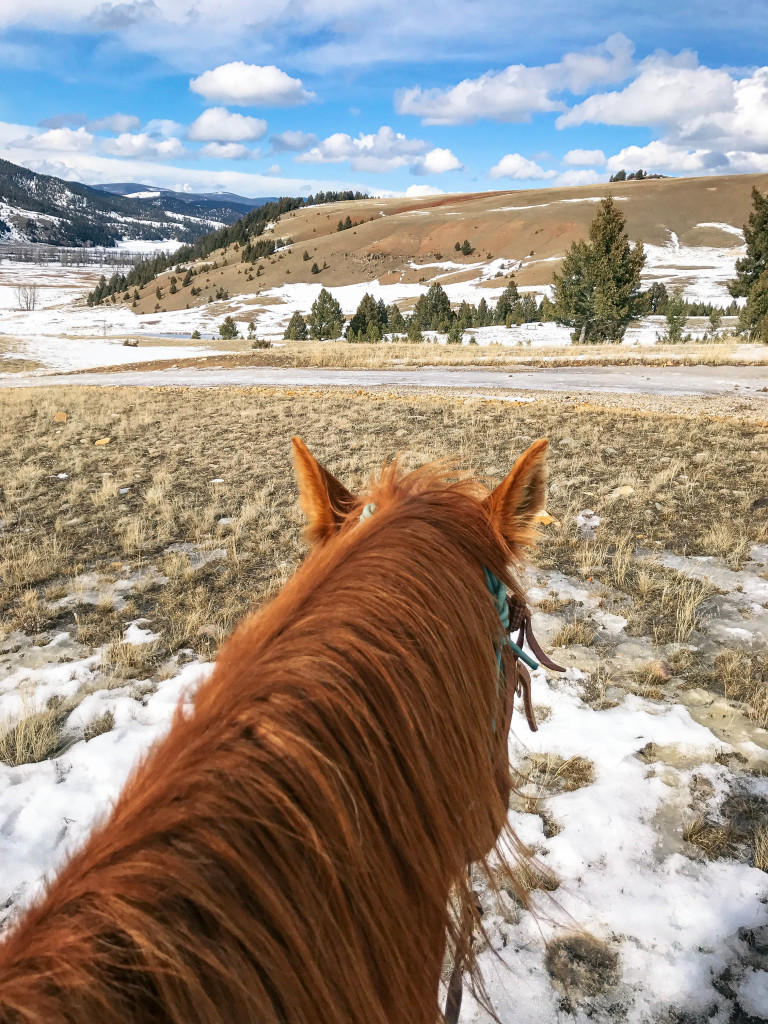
[285, 853]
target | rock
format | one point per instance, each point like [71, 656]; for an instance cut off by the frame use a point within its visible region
[621, 492]
[60, 417]
[103, 440]
[660, 670]
[581, 966]
[545, 518]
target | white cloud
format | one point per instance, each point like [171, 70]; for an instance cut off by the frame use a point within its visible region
[275, 169]
[581, 157]
[115, 123]
[667, 90]
[386, 150]
[250, 85]
[292, 141]
[143, 145]
[422, 191]
[519, 91]
[437, 161]
[218, 124]
[229, 151]
[580, 177]
[61, 140]
[516, 166]
[658, 156]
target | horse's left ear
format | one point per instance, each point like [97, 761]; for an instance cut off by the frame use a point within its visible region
[324, 500]
[514, 506]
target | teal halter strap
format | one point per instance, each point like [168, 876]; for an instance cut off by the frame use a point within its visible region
[498, 592]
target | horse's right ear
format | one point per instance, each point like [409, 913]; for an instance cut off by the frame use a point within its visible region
[514, 506]
[324, 500]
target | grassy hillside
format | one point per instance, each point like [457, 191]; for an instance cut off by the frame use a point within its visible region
[397, 240]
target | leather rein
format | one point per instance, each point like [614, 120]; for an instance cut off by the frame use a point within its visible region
[515, 615]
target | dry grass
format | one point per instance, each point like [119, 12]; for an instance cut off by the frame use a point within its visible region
[34, 736]
[760, 847]
[123, 505]
[99, 724]
[402, 355]
[743, 676]
[575, 632]
[712, 839]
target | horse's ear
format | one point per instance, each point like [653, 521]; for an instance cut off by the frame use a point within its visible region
[323, 499]
[514, 506]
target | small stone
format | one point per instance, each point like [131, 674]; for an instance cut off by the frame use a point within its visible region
[60, 417]
[103, 440]
[621, 492]
[660, 670]
[62, 476]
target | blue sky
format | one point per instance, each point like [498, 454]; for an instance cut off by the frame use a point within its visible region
[290, 96]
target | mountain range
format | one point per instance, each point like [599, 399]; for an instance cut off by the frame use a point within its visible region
[39, 208]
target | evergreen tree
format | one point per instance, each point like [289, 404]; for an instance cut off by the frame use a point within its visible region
[315, 268]
[366, 316]
[395, 320]
[325, 319]
[228, 329]
[529, 309]
[483, 316]
[466, 315]
[546, 310]
[715, 319]
[507, 301]
[657, 298]
[597, 289]
[466, 248]
[415, 337]
[433, 310]
[755, 262]
[754, 317]
[676, 314]
[297, 328]
[455, 335]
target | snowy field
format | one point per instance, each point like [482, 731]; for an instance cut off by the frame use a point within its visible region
[63, 333]
[676, 920]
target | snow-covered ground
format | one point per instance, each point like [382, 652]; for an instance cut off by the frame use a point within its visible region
[627, 876]
[64, 333]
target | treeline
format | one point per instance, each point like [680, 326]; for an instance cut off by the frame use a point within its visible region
[240, 233]
[655, 301]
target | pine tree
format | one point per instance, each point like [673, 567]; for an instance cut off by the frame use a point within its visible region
[297, 328]
[597, 289]
[395, 320]
[676, 313]
[433, 310]
[546, 310]
[455, 335]
[228, 329]
[366, 314]
[507, 301]
[755, 262]
[415, 337]
[754, 317]
[483, 315]
[325, 319]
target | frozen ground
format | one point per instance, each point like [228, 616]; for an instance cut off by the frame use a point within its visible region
[64, 333]
[751, 381]
[675, 923]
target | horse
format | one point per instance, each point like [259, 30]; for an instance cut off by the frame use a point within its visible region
[288, 852]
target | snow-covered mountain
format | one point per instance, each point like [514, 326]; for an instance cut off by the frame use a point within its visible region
[38, 208]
